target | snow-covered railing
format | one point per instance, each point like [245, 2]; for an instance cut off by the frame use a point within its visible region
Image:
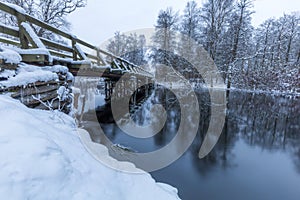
[28, 39]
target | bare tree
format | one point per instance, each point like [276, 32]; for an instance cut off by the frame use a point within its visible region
[53, 12]
[240, 32]
[190, 29]
[130, 47]
[191, 20]
[215, 16]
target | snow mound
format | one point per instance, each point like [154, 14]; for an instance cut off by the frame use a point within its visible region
[7, 73]
[28, 74]
[42, 157]
[57, 69]
[9, 56]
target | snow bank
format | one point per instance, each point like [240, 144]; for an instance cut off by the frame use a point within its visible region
[57, 69]
[42, 157]
[7, 73]
[9, 56]
[70, 60]
[27, 74]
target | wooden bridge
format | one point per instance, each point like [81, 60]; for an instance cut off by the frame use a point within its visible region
[42, 51]
[90, 62]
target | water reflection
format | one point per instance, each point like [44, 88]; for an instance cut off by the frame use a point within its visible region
[256, 157]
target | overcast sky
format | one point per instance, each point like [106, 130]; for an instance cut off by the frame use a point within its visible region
[98, 21]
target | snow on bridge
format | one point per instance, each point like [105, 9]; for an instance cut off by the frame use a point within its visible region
[42, 51]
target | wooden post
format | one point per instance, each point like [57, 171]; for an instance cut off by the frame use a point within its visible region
[23, 40]
[147, 87]
[82, 109]
[106, 91]
[74, 49]
[98, 57]
[111, 88]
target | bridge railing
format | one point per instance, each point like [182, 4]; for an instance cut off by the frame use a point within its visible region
[25, 37]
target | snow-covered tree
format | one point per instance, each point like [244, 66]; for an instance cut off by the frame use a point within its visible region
[130, 47]
[215, 15]
[166, 25]
[190, 30]
[237, 40]
[53, 12]
[191, 21]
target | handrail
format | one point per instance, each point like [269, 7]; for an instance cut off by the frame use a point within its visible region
[23, 17]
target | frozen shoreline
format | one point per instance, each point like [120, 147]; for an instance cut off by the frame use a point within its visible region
[42, 157]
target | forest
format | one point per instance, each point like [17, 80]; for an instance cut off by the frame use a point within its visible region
[264, 58]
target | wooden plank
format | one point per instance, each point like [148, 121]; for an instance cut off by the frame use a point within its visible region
[97, 60]
[108, 54]
[48, 27]
[9, 31]
[9, 66]
[9, 41]
[91, 56]
[56, 45]
[29, 38]
[79, 66]
[115, 65]
[23, 40]
[34, 90]
[36, 84]
[80, 53]
[7, 9]
[34, 58]
[99, 50]
[74, 51]
[85, 43]
[101, 58]
[60, 54]
[30, 101]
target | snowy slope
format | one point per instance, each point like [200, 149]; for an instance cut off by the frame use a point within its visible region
[42, 157]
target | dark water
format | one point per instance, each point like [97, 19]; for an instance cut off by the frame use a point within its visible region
[256, 157]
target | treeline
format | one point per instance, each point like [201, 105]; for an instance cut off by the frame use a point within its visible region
[266, 57]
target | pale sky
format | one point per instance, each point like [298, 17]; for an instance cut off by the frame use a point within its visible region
[100, 19]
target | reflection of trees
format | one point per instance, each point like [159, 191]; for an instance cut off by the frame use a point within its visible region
[168, 100]
[222, 154]
[269, 122]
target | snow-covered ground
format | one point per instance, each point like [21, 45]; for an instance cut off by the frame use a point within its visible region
[42, 157]
[42, 153]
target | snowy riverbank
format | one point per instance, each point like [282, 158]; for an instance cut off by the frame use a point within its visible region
[42, 157]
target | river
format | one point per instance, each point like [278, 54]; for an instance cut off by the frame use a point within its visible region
[256, 157]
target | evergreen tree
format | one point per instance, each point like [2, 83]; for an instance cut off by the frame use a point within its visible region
[166, 25]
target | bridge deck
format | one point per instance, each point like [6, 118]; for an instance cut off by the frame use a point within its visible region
[41, 51]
